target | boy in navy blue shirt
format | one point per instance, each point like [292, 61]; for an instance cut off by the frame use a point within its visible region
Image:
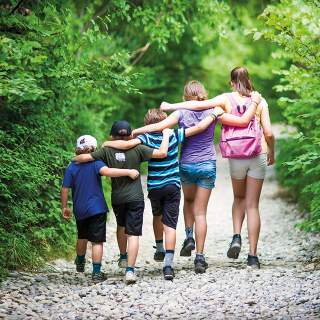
[89, 205]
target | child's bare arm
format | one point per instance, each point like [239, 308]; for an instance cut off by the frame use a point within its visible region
[194, 104]
[243, 121]
[169, 122]
[201, 126]
[115, 173]
[162, 152]
[122, 144]
[86, 157]
[65, 211]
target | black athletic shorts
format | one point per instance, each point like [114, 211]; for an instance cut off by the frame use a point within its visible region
[166, 202]
[93, 228]
[130, 216]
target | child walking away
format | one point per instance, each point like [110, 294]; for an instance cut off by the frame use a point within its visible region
[89, 205]
[249, 153]
[164, 183]
[127, 195]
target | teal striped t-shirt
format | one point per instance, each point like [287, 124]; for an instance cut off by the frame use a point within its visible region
[162, 172]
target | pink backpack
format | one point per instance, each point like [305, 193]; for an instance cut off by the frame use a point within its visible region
[240, 143]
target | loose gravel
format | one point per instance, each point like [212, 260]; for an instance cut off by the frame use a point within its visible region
[286, 287]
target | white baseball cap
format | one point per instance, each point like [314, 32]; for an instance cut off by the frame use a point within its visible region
[86, 141]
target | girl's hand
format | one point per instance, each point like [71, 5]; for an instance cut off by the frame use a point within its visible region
[165, 106]
[134, 174]
[270, 158]
[66, 213]
[256, 97]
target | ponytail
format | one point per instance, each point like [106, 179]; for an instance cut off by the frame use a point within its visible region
[241, 80]
[194, 90]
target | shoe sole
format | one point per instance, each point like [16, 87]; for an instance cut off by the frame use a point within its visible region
[158, 260]
[233, 252]
[169, 277]
[128, 282]
[80, 270]
[200, 269]
[186, 251]
[254, 267]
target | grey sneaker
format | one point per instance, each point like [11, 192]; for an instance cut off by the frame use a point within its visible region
[187, 247]
[253, 262]
[98, 277]
[80, 265]
[122, 263]
[235, 247]
[200, 265]
[158, 255]
[130, 277]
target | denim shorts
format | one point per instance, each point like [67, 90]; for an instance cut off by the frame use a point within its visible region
[203, 173]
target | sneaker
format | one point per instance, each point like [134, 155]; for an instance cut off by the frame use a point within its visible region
[98, 277]
[79, 265]
[187, 247]
[130, 277]
[168, 273]
[158, 255]
[200, 265]
[235, 247]
[253, 262]
[122, 263]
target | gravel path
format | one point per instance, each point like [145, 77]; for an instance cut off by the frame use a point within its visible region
[286, 287]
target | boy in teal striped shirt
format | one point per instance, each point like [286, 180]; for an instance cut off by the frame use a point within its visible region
[164, 183]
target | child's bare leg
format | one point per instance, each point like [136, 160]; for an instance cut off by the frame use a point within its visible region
[97, 251]
[122, 239]
[170, 238]
[81, 247]
[157, 227]
[133, 248]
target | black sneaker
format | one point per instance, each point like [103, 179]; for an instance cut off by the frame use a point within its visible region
[98, 277]
[200, 265]
[158, 255]
[80, 265]
[235, 247]
[168, 273]
[253, 262]
[187, 247]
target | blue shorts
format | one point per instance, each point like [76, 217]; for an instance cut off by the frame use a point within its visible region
[203, 173]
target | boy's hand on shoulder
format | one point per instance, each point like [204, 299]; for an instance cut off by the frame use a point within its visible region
[66, 213]
[134, 174]
[166, 132]
[165, 106]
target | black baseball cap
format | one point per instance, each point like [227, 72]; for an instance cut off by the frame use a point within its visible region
[121, 128]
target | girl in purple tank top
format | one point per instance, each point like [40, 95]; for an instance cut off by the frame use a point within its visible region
[247, 175]
[197, 166]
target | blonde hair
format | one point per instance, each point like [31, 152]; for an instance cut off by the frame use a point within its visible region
[240, 78]
[194, 90]
[154, 116]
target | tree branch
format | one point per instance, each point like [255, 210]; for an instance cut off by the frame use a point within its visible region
[16, 7]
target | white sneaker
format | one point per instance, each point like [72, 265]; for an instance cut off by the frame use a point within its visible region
[122, 263]
[130, 277]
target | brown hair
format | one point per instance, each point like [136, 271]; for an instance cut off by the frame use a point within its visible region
[239, 77]
[194, 90]
[84, 150]
[154, 116]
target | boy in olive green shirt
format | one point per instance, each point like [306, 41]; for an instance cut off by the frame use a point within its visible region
[127, 195]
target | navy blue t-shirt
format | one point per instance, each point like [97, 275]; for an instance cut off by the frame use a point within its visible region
[85, 182]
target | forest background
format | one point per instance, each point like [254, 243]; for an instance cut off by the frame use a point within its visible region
[73, 67]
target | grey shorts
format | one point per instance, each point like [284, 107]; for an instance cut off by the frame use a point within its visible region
[255, 167]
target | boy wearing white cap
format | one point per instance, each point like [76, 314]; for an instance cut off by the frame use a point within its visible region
[89, 205]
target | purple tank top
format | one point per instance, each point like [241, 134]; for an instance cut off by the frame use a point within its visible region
[199, 147]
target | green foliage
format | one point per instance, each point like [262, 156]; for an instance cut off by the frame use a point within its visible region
[294, 25]
[71, 68]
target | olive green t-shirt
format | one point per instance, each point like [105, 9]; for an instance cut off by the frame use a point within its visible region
[124, 189]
